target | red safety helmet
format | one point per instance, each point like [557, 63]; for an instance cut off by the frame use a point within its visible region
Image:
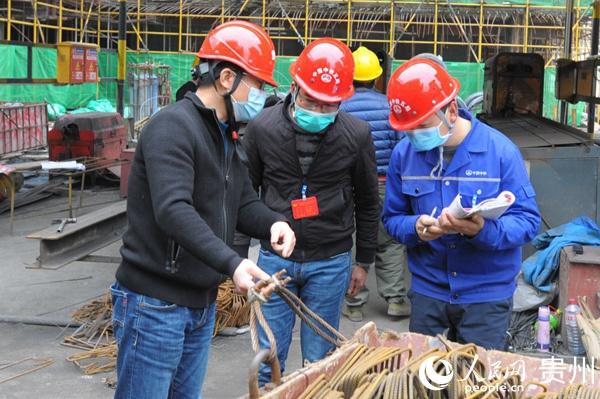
[418, 89]
[244, 44]
[325, 70]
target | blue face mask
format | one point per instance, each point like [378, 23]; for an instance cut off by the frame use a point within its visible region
[247, 110]
[313, 122]
[427, 138]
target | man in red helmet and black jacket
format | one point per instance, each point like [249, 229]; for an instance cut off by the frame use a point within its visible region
[316, 166]
[188, 192]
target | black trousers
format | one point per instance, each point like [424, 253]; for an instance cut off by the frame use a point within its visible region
[484, 324]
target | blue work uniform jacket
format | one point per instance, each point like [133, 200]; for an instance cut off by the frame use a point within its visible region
[454, 268]
[373, 108]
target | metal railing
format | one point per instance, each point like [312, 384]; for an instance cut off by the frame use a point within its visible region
[478, 25]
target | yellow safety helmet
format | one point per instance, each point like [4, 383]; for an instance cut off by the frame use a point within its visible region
[366, 65]
[196, 62]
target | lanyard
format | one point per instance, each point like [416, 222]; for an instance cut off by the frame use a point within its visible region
[303, 191]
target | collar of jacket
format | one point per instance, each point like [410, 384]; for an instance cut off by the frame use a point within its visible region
[209, 114]
[475, 142]
[191, 95]
[366, 90]
[288, 129]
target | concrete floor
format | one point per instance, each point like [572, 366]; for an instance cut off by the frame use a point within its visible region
[54, 294]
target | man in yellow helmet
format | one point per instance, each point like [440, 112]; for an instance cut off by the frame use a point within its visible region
[390, 262]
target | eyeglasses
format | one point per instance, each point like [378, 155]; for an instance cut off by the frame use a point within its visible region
[316, 106]
[257, 84]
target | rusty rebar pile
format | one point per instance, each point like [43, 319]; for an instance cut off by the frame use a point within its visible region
[393, 373]
[232, 308]
[590, 332]
[95, 338]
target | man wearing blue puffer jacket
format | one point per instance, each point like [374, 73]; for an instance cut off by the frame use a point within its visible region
[463, 270]
[390, 261]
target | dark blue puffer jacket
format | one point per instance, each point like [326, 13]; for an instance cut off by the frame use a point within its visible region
[372, 107]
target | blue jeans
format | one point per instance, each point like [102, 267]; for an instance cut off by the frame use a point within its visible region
[163, 347]
[485, 324]
[321, 285]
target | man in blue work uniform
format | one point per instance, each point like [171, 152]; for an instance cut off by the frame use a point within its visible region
[463, 270]
[390, 260]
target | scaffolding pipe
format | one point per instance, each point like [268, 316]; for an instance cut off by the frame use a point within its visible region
[392, 29]
[35, 22]
[180, 23]
[122, 56]
[138, 12]
[435, 26]
[98, 30]
[306, 17]
[567, 52]
[480, 39]
[87, 20]
[594, 52]
[526, 28]
[8, 20]
[80, 27]
[349, 25]
[60, 20]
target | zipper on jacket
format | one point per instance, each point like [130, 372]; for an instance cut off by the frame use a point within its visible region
[173, 250]
[304, 182]
[226, 164]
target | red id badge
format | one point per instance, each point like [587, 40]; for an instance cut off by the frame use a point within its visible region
[305, 208]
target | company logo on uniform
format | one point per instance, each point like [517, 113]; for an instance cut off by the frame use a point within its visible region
[326, 75]
[433, 379]
[399, 106]
[470, 172]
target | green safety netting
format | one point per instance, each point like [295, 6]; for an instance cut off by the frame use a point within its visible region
[14, 61]
[55, 111]
[43, 63]
[14, 65]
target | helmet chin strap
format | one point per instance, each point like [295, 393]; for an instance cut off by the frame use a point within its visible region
[232, 124]
[439, 167]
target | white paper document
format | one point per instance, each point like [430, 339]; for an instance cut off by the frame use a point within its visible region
[491, 208]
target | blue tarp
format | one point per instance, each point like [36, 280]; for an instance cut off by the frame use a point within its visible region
[540, 269]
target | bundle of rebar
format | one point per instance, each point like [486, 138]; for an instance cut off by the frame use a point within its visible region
[233, 309]
[392, 373]
[94, 337]
[571, 392]
[95, 330]
[590, 332]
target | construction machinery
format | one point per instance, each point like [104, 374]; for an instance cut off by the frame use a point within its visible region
[563, 162]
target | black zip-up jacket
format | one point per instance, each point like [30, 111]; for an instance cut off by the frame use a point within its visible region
[343, 177]
[185, 200]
